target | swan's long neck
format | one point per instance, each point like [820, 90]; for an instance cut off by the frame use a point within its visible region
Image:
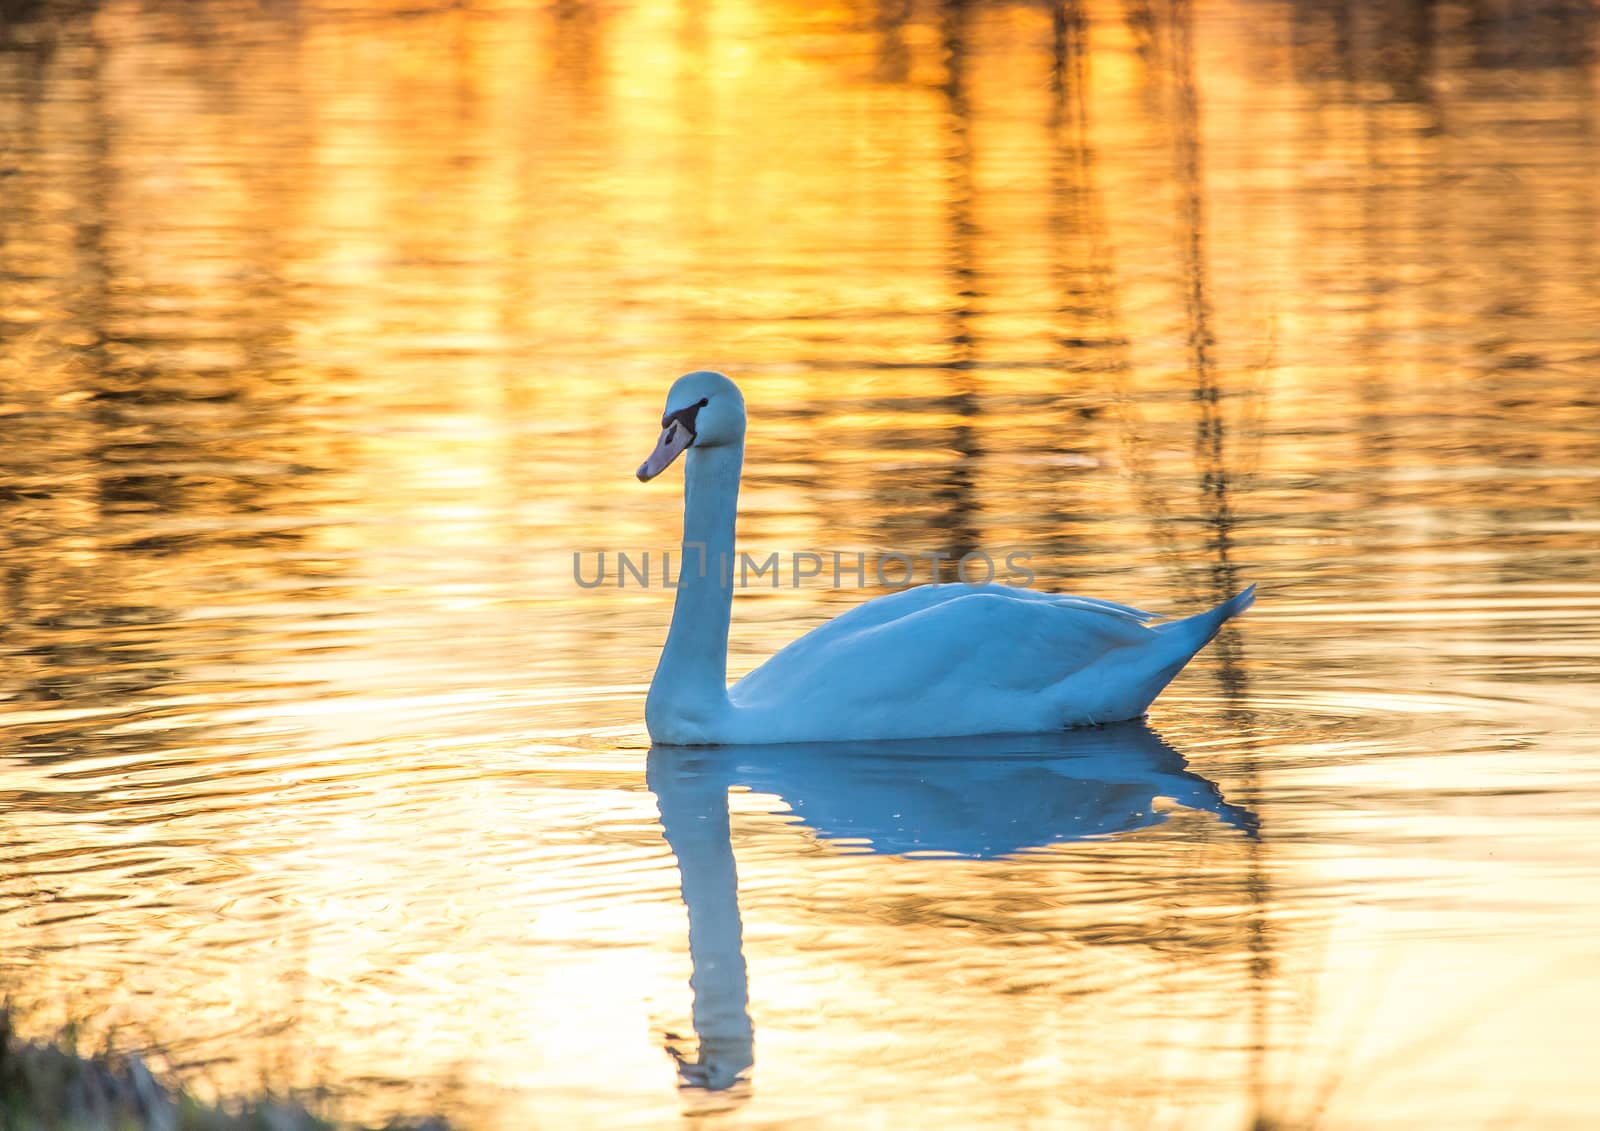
[692, 677]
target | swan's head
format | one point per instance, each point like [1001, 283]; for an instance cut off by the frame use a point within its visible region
[704, 410]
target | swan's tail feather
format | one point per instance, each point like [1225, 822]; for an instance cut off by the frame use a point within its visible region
[1126, 681]
[1203, 626]
[1186, 637]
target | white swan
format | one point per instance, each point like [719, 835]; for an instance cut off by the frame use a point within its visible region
[927, 662]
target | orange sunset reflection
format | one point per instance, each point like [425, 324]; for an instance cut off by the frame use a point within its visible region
[333, 332]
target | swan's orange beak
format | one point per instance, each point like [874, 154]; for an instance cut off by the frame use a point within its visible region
[675, 437]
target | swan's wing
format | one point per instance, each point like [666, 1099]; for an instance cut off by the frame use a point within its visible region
[922, 646]
[905, 602]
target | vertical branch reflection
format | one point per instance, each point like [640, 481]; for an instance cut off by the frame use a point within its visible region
[1210, 450]
[1375, 208]
[1091, 311]
[1086, 334]
[576, 27]
[889, 19]
[958, 492]
[954, 30]
[1211, 457]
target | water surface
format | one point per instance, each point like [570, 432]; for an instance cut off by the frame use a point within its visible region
[332, 331]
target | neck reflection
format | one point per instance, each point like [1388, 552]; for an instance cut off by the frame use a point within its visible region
[694, 817]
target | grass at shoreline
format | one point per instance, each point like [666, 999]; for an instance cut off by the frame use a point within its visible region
[52, 1087]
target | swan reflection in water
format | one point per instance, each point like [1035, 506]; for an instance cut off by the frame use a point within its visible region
[972, 798]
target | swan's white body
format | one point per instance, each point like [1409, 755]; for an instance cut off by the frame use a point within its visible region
[932, 661]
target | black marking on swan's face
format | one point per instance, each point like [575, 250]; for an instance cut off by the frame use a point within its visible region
[684, 418]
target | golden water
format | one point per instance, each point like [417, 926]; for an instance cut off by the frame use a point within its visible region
[331, 331]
